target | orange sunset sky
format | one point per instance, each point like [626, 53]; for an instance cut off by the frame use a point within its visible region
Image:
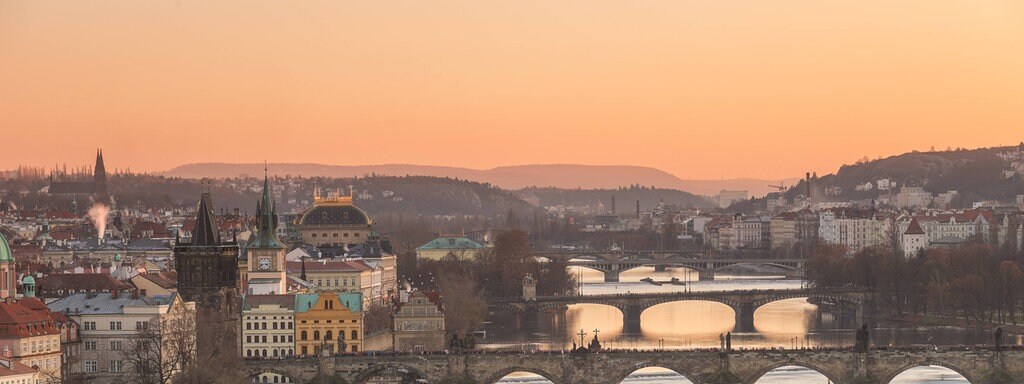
[699, 88]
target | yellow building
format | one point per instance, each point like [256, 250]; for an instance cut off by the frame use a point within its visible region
[328, 323]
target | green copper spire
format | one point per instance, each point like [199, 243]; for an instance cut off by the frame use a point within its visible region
[266, 216]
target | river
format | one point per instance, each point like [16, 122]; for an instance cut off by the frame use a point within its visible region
[698, 324]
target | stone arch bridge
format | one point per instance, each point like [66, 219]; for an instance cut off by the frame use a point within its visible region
[981, 366]
[743, 303]
[613, 263]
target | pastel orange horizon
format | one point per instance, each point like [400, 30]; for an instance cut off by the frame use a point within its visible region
[703, 89]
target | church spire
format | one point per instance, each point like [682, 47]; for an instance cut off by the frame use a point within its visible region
[206, 232]
[266, 218]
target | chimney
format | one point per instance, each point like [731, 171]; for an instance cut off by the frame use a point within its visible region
[113, 294]
[638, 209]
[613, 205]
[135, 293]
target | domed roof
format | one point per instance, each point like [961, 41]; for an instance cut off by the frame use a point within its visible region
[5, 250]
[117, 257]
[28, 280]
[335, 214]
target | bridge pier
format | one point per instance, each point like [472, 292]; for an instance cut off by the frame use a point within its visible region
[706, 274]
[611, 276]
[744, 317]
[631, 319]
[660, 268]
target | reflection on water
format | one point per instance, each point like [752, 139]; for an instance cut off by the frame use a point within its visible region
[782, 375]
[698, 324]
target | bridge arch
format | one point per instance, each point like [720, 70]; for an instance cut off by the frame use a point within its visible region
[389, 368]
[292, 377]
[926, 363]
[753, 379]
[493, 378]
[622, 376]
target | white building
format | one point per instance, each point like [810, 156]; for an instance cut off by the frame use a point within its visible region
[111, 323]
[854, 229]
[913, 197]
[268, 326]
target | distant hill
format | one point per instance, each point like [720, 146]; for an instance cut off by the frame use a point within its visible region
[977, 174]
[625, 198]
[511, 177]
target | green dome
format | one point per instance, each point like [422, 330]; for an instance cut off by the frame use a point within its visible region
[117, 257]
[5, 250]
[28, 280]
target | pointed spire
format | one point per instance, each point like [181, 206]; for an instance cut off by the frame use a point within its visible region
[302, 276]
[265, 219]
[206, 232]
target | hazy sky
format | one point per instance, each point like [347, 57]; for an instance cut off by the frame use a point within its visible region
[699, 88]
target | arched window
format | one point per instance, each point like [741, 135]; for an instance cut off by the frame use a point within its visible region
[275, 353]
[264, 353]
[291, 352]
[304, 335]
[316, 335]
[341, 335]
[248, 353]
[327, 336]
[355, 335]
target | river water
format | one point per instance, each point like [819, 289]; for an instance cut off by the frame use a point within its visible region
[698, 324]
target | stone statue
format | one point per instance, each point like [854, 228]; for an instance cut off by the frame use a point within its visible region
[999, 338]
[721, 341]
[863, 338]
[728, 341]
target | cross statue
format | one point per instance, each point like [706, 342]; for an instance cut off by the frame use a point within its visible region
[581, 334]
[596, 331]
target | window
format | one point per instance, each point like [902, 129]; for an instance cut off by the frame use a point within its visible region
[141, 325]
[303, 337]
[115, 366]
[115, 325]
[328, 335]
[305, 351]
[355, 336]
[91, 366]
[115, 346]
[275, 325]
[90, 345]
[248, 325]
[248, 339]
[316, 335]
[89, 326]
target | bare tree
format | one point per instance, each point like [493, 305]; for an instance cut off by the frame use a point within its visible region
[163, 347]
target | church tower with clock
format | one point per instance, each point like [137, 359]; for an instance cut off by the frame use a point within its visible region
[265, 252]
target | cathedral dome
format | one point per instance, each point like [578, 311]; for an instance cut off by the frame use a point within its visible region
[5, 250]
[335, 214]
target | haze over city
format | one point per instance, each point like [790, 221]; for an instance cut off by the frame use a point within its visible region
[517, 192]
[700, 89]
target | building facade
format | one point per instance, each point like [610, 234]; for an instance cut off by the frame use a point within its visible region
[328, 323]
[268, 326]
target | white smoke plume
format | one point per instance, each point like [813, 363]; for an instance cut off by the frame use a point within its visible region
[98, 213]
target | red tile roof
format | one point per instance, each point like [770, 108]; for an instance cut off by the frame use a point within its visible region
[18, 320]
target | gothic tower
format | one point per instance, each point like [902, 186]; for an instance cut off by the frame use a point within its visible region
[99, 176]
[207, 274]
[265, 253]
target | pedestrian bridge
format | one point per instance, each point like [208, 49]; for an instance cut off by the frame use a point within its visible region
[979, 366]
[743, 303]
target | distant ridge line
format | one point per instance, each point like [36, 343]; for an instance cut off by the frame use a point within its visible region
[506, 177]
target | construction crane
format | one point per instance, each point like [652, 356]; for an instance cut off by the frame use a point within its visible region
[781, 187]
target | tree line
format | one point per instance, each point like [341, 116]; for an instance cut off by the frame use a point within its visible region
[466, 283]
[976, 281]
